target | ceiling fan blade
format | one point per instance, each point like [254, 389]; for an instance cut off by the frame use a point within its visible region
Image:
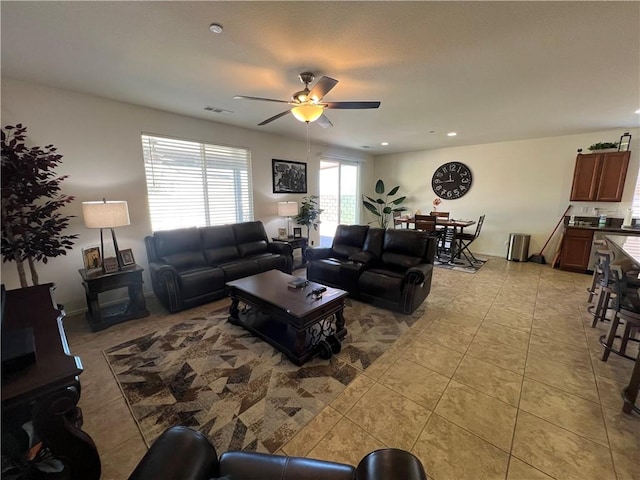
[322, 87]
[244, 97]
[275, 117]
[324, 122]
[351, 105]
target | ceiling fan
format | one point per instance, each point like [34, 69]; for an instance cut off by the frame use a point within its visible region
[307, 105]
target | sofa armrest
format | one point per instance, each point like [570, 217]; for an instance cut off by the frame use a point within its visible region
[282, 248]
[363, 257]
[178, 453]
[317, 253]
[416, 275]
[164, 279]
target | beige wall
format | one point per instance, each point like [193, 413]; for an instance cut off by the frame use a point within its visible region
[102, 154]
[521, 186]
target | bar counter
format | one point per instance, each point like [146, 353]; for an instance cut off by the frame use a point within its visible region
[630, 247]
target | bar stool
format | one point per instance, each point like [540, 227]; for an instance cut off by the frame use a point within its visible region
[600, 245]
[631, 316]
[604, 287]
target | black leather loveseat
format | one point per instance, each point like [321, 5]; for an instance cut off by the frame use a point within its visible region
[190, 266]
[389, 268]
[184, 454]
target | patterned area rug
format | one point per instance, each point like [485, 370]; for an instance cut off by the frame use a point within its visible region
[238, 390]
[462, 267]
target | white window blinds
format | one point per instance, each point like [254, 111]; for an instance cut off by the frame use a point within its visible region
[196, 184]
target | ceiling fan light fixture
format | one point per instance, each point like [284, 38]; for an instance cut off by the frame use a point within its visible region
[307, 112]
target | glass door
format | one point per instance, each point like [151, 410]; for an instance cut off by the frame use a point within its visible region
[339, 196]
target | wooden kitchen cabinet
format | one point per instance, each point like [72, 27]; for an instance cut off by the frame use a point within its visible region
[599, 177]
[576, 249]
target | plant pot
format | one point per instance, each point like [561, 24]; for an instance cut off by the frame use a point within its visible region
[604, 150]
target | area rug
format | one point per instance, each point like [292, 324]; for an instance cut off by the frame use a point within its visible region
[239, 391]
[462, 267]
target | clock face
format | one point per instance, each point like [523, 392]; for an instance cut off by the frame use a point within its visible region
[451, 180]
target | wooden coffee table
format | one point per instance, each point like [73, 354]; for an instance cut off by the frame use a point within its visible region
[291, 320]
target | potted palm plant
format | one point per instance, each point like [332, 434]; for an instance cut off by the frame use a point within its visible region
[383, 208]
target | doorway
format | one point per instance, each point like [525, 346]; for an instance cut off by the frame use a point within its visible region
[339, 197]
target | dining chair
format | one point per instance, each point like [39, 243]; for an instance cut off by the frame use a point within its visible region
[426, 223]
[466, 239]
[396, 221]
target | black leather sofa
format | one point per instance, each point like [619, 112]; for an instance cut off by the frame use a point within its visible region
[190, 266]
[388, 268]
[184, 454]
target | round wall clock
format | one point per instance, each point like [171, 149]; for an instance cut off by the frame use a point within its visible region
[451, 180]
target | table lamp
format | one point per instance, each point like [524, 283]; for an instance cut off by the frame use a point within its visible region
[106, 215]
[288, 209]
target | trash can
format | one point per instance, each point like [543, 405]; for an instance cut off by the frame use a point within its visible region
[518, 247]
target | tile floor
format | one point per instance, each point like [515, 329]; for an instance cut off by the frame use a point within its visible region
[500, 379]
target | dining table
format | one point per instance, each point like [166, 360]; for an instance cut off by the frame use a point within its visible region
[457, 227]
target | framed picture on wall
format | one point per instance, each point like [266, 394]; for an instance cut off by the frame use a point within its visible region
[289, 177]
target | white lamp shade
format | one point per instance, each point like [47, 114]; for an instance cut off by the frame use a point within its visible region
[105, 214]
[287, 209]
[307, 112]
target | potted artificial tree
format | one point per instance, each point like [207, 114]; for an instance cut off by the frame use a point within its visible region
[309, 215]
[32, 225]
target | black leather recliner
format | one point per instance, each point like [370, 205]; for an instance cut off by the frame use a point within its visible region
[190, 266]
[184, 454]
[390, 268]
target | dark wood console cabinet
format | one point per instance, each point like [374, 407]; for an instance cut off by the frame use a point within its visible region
[600, 177]
[47, 391]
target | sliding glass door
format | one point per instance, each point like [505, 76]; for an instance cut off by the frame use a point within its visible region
[339, 197]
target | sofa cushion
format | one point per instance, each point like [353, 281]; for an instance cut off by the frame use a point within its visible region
[349, 239]
[250, 238]
[200, 281]
[185, 260]
[325, 271]
[170, 245]
[219, 244]
[240, 269]
[403, 249]
[269, 261]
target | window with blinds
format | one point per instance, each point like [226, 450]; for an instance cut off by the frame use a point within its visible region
[196, 184]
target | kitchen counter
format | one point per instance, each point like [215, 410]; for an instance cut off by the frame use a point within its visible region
[630, 231]
[628, 244]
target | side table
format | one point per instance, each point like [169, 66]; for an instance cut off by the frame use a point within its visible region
[95, 283]
[296, 242]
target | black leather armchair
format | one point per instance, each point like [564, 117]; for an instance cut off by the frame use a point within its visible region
[184, 454]
[190, 266]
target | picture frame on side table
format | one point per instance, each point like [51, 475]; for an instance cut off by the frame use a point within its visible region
[282, 233]
[91, 258]
[297, 232]
[126, 257]
[289, 176]
[110, 265]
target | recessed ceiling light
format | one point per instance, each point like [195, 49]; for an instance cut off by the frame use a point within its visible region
[638, 111]
[215, 28]
[451, 134]
[384, 144]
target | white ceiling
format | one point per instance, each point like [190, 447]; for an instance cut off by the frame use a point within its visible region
[491, 71]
